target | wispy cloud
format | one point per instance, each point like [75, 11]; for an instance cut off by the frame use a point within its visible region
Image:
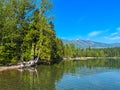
[94, 33]
[114, 33]
[118, 29]
[114, 36]
[106, 35]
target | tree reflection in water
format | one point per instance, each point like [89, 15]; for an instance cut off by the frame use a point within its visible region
[47, 77]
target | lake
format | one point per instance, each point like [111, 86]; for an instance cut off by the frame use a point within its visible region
[67, 75]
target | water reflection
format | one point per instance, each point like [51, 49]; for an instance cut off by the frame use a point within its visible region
[30, 77]
[63, 76]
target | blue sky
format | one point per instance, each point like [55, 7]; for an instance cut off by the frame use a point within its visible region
[96, 20]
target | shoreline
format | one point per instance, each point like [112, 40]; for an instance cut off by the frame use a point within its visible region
[89, 58]
[4, 68]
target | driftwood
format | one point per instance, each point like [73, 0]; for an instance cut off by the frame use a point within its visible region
[31, 63]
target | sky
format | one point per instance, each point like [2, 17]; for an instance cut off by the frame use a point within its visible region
[96, 20]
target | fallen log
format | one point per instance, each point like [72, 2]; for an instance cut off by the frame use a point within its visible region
[31, 63]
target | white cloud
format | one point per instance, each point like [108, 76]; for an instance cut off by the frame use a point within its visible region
[118, 28]
[114, 33]
[114, 36]
[106, 35]
[94, 33]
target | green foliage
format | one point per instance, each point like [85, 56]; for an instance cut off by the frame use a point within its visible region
[26, 31]
[70, 51]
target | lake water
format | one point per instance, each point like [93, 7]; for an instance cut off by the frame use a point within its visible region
[68, 75]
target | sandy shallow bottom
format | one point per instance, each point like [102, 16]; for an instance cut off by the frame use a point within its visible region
[3, 68]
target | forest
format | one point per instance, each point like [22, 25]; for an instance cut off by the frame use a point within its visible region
[71, 51]
[27, 31]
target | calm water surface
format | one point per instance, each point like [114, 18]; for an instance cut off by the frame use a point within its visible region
[68, 75]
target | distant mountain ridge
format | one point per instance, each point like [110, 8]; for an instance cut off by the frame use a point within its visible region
[87, 43]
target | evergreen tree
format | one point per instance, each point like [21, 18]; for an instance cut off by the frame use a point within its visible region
[27, 31]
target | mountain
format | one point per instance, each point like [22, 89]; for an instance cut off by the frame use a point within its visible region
[87, 43]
